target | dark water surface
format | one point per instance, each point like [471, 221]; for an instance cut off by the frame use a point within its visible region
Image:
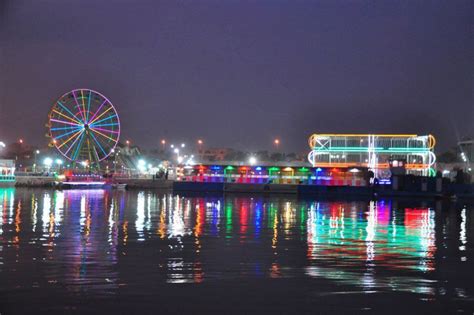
[96, 251]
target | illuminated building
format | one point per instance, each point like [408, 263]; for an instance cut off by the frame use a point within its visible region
[378, 153]
[7, 172]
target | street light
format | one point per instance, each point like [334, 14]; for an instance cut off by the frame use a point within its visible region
[2, 144]
[182, 145]
[200, 142]
[163, 143]
[141, 165]
[277, 143]
[253, 160]
[48, 162]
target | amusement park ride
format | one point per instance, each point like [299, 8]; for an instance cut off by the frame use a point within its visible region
[85, 128]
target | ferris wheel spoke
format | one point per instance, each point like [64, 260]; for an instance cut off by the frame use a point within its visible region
[103, 135]
[89, 105]
[64, 128]
[78, 106]
[67, 117]
[78, 147]
[83, 106]
[98, 143]
[71, 113]
[102, 114]
[70, 138]
[67, 133]
[73, 143]
[105, 130]
[104, 119]
[105, 125]
[97, 111]
[65, 122]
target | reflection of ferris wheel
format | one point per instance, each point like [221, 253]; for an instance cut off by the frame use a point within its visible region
[84, 126]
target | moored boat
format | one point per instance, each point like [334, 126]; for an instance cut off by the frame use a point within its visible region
[83, 181]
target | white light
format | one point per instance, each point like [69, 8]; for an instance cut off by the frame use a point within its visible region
[182, 145]
[59, 161]
[48, 161]
[37, 151]
[176, 150]
[84, 163]
[180, 159]
[446, 172]
[141, 163]
[150, 166]
[252, 160]
[172, 146]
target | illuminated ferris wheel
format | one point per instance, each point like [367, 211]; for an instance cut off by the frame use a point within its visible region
[84, 126]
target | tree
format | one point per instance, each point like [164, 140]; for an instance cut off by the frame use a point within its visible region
[447, 157]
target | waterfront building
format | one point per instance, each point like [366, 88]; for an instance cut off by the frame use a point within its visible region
[383, 154]
[7, 172]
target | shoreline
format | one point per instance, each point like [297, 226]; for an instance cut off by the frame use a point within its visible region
[449, 191]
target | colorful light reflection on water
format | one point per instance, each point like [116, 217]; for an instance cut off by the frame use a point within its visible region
[100, 241]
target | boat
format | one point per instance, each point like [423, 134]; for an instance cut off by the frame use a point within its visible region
[83, 181]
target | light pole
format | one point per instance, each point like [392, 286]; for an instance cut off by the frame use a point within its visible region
[200, 152]
[36, 155]
[176, 150]
[163, 143]
[48, 162]
[59, 162]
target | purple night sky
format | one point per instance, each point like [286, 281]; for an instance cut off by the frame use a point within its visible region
[239, 73]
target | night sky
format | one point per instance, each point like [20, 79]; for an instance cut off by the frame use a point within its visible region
[240, 73]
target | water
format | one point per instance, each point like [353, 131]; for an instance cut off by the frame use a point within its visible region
[98, 251]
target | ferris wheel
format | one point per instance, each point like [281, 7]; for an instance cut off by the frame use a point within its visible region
[84, 126]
